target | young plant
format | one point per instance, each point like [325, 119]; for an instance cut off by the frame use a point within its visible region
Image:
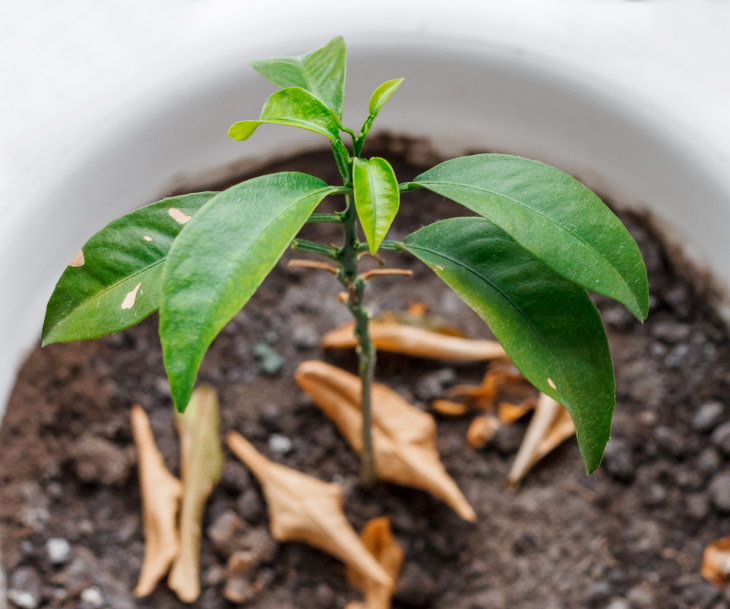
[539, 240]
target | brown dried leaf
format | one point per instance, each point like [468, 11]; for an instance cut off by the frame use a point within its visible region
[501, 380]
[391, 335]
[302, 508]
[716, 562]
[404, 437]
[380, 542]
[550, 426]
[161, 493]
[509, 413]
[201, 458]
[482, 430]
[449, 408]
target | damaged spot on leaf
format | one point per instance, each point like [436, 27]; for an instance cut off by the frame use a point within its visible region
[178, 215]
[147, 238]
[551, 382]
[131, 297]
[78, 259]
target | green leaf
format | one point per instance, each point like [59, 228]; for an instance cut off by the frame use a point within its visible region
[382, 94]
[553, 216]
[114, 281]
[547, 325]
[377, 198]
[321, 72]
[294, 107]
[219, 261]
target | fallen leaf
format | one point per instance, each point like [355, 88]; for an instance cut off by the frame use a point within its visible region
[404, 438]
[161, 493]
[509, 413]
[390, 335]
[502, 380]
[482, 430]
[449, 408]
[380, 542]
[716, 562]
[201, 458]
[305, 509]
[550, 426]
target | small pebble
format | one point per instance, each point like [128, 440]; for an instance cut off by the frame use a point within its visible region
[25, 588]
[598, 593]
[698, 506]
[304, 336]
[720, 491]
[507, 439]
[99, 461]
[708, 462]
[654, 495]
[618, 603]
[250, 506]
[669, 440]
[432, 385]
[708, 416]
[270, 361]
[58, 550]
[619, 460]
[92, 597]
[415, 586]
[226, 532]
[280, 444]
[721, 438]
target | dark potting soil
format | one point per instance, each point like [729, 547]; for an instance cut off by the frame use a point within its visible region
[630, 536]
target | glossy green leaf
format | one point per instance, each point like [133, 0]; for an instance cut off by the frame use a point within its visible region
[547, 325]
[294, 107]
[321, 72]
[553, 216]
[219, 261]
[382, 94]
[114, 281]
[376, 198]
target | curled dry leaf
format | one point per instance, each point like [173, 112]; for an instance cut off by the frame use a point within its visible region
[550, 426]
[380, 542]
[302, 508]
[404, 438]
[391, 335]
[201, 458]
[502, 380]
[509, 413]
[482, 430]
[161, 493]
[449, 408]
[716, 562]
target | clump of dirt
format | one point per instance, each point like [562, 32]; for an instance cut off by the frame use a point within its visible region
[630, 536]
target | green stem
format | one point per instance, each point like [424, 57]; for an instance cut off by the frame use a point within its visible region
[355, 287]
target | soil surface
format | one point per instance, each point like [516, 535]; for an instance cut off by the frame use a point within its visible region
[630, 536]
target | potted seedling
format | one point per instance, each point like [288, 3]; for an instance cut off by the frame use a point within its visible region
[535, 243]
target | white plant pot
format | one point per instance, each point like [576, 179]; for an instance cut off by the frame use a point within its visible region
[469, 86]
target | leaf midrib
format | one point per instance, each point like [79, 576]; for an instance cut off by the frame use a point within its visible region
[539, 213]
[500, 292]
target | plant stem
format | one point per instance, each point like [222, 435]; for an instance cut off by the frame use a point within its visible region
[366, 352]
